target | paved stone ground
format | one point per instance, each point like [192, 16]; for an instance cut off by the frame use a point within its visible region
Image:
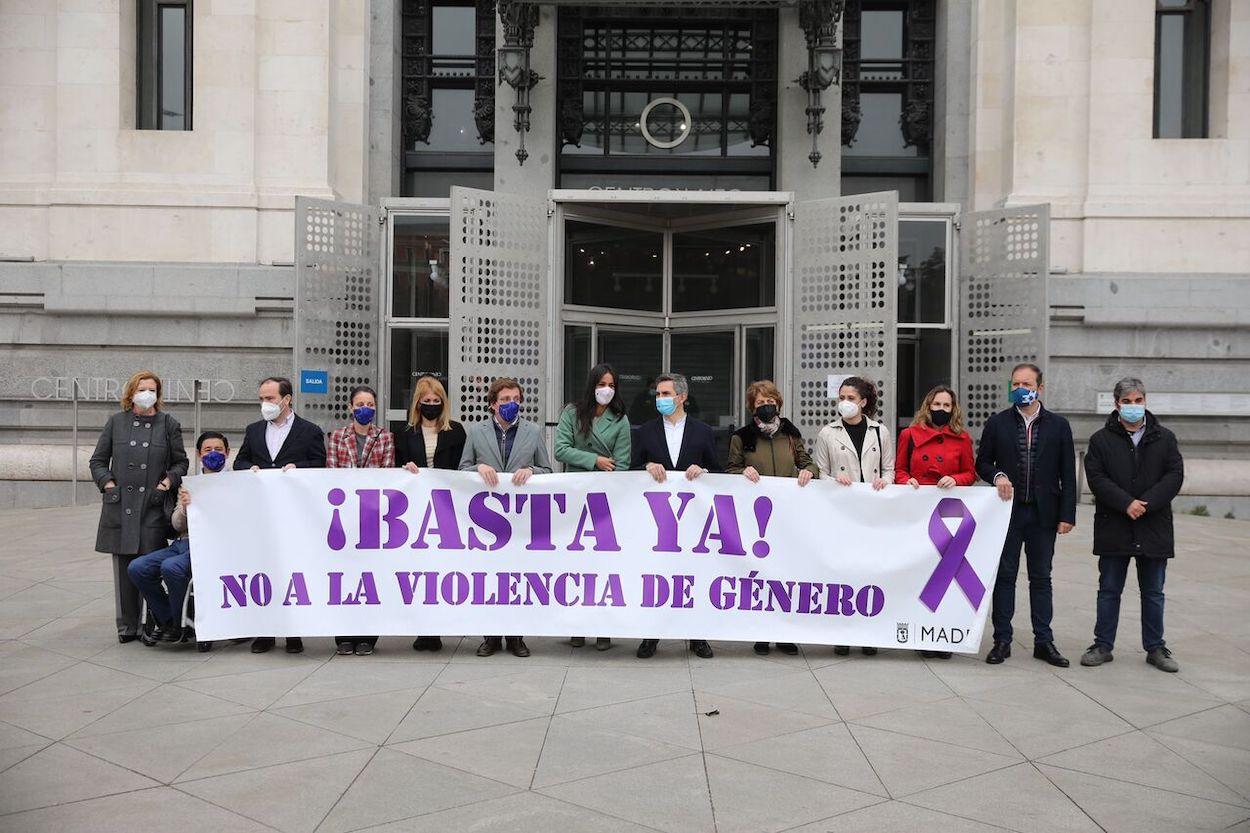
[99, 736]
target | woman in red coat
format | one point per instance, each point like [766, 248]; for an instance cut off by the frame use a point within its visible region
[936, 450]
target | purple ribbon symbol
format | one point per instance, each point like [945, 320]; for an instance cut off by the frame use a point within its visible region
[954, 565]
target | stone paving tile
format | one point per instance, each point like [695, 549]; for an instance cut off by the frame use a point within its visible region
[1017, 798]
[293, 797]
[1142, 760]
[91, 731]
[894, 817]
[1120, 807]
[149, 809]
[58, 775]
[826, 753]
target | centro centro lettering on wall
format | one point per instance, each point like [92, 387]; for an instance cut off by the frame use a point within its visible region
[107, 389]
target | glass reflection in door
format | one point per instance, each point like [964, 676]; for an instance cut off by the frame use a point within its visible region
[706, 359]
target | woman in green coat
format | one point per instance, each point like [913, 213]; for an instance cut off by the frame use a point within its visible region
[770, 446]
[593, 435]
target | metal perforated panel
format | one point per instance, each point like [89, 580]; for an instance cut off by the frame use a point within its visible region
[845, 297]
[337, 292]
[1003, 312]
[499, 277]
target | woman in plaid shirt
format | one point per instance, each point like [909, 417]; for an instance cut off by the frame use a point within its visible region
[361, 444]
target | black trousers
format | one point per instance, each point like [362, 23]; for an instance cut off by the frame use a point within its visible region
[1038, 540]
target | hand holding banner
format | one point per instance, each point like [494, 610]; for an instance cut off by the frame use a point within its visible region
[319, 552]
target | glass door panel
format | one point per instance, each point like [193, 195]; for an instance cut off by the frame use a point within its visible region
[637, 356]
[707, 359]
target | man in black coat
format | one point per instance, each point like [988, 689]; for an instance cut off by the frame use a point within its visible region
[674, 442]
[1026, 451]
[1134, 468]
[281, 440]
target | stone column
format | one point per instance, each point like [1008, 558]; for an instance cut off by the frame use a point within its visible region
[538, 172]
[793, 142]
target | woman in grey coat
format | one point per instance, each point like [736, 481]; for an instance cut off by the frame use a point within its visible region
[138, 463]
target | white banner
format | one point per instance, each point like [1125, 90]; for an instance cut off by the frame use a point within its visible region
[381, 551]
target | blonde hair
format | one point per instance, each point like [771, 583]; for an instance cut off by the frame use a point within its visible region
[425, 386]
[957, 413]
[764, 387]
[132, 385]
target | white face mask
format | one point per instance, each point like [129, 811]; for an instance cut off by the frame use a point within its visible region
[270, 410]
[604, 395]
[144, 399]
[848, 409]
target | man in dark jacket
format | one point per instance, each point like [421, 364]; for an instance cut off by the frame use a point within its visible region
[674, 442]
[1026, 451]
[1134, 468]
[280, 440]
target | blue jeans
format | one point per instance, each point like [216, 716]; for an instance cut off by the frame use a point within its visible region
[1112, 573]
[173, 564]
[1038, 541]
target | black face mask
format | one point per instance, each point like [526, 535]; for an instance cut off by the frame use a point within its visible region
[431, 411]
[766, 413]
[940, 418]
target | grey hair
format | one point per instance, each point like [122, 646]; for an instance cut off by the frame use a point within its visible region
[1126, 386]
[680, 385]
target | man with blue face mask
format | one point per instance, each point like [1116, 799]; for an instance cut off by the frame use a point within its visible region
[506, 442]
[674, 442]
[172, 565]
[1026, 451]
[1135, 469]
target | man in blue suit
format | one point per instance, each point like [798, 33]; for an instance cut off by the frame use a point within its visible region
[1026, 451]
[674, 442]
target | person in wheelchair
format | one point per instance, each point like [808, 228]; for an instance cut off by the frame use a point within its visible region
[172, 565]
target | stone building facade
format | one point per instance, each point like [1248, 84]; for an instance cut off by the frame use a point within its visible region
[123, 247]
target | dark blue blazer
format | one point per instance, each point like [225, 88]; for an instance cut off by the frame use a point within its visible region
[698, 446]
[1054, 481]
[305, 446]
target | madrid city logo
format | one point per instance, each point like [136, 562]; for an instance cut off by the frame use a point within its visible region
[900, 633]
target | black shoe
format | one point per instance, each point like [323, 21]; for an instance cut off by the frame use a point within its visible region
[941, 654]
[262, 644]
[998, 653]
[364, 649]
[577, 641]
[157, 634]
[842, 650]
[489, 646]
[428, 643]
[603, 643]
[294, 645]
[123, 638]
[345, 648]
[761, 648]
[788, 648]
[646, 648]
[517, 646]
[1048, 652]
[701, 649]
[868, 652]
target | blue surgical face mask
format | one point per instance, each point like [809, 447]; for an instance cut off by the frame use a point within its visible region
[508, 411]
[213, 461]
[666, 404]
[363, 415]
[1022, 397]
[1132, 414]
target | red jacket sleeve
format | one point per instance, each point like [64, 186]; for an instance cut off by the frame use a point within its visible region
[902, 460]
[967, 474]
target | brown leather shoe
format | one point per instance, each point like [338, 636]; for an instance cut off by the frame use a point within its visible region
[516, 644]
[489, 645]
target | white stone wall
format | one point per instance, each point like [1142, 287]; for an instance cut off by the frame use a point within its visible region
[1062, 96]
[280, 108]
